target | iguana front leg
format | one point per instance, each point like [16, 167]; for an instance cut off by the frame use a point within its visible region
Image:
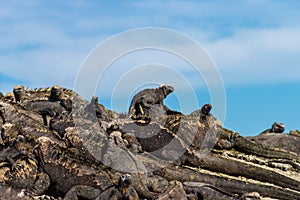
[141, 110]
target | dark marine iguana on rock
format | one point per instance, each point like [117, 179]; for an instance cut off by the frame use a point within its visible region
[142, 101]
[185, 157]
[276, 128]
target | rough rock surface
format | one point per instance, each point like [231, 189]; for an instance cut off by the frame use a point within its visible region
[56, 145]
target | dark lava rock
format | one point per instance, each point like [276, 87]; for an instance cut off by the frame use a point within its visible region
[56, 145]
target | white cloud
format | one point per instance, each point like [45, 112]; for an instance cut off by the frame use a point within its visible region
[258, 55]
[40, 52]
[41, 45]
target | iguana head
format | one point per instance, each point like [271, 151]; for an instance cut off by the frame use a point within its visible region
[167, 89]
[206, 108]
[94, 100]
[124, 181]
[56, 93]
[19, 92]
[277, 127]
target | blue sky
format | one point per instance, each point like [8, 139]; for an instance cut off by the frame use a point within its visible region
[255, 44]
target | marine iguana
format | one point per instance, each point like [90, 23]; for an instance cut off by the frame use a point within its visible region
[146, 98]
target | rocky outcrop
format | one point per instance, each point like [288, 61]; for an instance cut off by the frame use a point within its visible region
[56, 145]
